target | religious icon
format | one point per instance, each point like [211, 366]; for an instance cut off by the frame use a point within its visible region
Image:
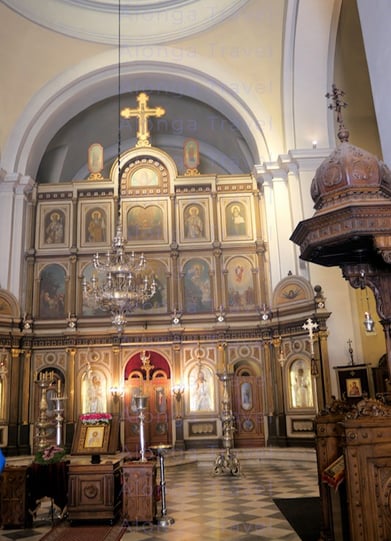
[93, 391]
[301, 384]
[201, 389]
[144, 176]
[145, 223]
[96, 225]
[194, 222]
[52, 292]
[88, 307]
[95, 158]
[246, 395]
[191, 154]
[241, 294]
[353, 387]
[54, 227]
[236, 219]
[197, 286]
[94, 436]
[161, 403]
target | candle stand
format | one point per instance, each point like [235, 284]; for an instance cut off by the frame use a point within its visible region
[160, 451]
[227, 462]
[43, 382]
[59, 411]
[141, 405]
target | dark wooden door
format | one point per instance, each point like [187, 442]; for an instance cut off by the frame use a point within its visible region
[247, 407]
[157, 421]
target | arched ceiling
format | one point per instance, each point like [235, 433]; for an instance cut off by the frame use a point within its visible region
[227, 141]
[223, 149]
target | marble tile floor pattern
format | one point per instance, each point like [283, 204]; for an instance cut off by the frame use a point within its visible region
[207, 507]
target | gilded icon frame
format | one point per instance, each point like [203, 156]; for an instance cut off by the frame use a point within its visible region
[194, 220]
[86, 215]
[108, 434]
[54, 234]
[145, 222]
[236, 218]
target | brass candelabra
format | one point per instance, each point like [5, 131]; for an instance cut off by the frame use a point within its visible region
[227, 462]
[44, 382]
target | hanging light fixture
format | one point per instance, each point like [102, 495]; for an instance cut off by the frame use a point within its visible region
[368, 322]
[265, 313]
[122, 282]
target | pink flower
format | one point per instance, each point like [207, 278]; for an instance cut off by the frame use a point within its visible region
[95, 418]
[50, 454]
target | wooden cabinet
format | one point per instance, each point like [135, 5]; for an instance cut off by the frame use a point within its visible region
[367, 443]
[94, 490]
[14, 483]
[139, 491]
[361, 508]
[334, 524]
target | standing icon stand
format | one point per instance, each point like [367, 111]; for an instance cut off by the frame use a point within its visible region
[163, 519]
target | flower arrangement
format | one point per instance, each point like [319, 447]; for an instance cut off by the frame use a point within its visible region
[95, 418]
[50, 455]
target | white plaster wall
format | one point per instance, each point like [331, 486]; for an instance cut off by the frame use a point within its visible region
[312, 63]
[375, 18]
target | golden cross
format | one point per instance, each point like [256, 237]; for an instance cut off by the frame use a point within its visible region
[143, 113]
[146, 364]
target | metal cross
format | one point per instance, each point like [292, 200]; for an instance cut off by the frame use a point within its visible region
[309, 326]
[336, 96]
[143, 114]
[349, 342]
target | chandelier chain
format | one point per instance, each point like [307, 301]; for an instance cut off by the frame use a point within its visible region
[120, 282]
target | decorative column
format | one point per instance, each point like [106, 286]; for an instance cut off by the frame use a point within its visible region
[71, 354]
[178, 392]
[278, 364]
[117, 391]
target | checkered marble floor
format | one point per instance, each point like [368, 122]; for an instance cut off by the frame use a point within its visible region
[208, 507]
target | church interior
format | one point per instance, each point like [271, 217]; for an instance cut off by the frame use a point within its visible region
[196, 247]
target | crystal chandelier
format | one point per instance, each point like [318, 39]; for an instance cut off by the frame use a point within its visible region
[122, 282]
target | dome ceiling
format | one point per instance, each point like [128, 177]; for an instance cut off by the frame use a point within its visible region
[97, 20]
